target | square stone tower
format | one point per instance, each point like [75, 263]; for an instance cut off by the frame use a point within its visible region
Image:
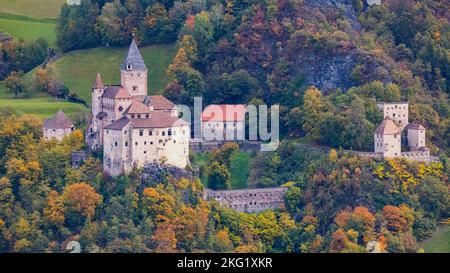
[416, 136]
[396, 111]
[133, 72]
[387, 139]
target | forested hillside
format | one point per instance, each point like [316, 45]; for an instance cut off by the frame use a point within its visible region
[325, 62]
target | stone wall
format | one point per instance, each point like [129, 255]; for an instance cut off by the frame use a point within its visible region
[77, 158]
[248, 200]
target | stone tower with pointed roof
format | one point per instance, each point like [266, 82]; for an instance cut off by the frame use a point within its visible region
[133, 72]
[58, 126]
[387, 139]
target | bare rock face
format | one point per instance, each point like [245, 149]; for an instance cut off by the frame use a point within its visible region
[329, 57]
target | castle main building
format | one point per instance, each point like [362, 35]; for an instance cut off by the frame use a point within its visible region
[132, 127]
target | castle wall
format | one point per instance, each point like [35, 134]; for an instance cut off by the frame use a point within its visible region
[248, 200]
[159, 145]
[398, 112]
[416, 139]
[116, 150]
[120, 105]
[58, 134]
[218, 130]
[392, 145]
[134, 82]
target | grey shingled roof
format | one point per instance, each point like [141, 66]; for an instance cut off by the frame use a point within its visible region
[415, 126]
[116, 91]
[59, 121]
[134, 58]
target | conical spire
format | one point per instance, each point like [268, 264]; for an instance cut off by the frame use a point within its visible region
[134, 60]
[98, 83]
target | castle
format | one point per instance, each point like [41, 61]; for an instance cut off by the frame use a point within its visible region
[132, 127]
[388, 135]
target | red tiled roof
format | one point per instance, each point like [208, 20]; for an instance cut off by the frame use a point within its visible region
[160, 103]
[118, 124]
[387, 127]
[59, 121]
[156, 120]
[98, 83]
[224, 112]
[116, 92]
[137, 107]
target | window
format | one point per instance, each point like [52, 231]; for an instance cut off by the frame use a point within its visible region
[151, 142]
[115, 143]
[135, 143]
[145, 142]
[141, 132]
[132, 116]
[150, 133]
[147, 116]
[145, 152]
[135, 88]
[126, 143]
[174, 141]
[169, 133]
[139, 116]
[129, 67]
[120, 108]
[163, 133]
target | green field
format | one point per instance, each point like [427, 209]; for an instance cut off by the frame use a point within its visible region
[43, 107]
[27, 28]
[440, 242]
[32, 8]
[240, 167]
[77, 69]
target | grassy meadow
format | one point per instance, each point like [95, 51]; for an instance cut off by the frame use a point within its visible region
[43, 9]
[440, 242]
[77, 69]
[27, 28]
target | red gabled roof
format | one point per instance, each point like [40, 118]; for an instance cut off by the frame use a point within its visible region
[160, 103]
[387, 127]
[116, 92]
[224, 112]
[137, 107]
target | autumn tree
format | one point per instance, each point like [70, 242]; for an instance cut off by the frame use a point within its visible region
[14, 83]
[218, 177]
[82, 199]
[398, 219]
[54, 210]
